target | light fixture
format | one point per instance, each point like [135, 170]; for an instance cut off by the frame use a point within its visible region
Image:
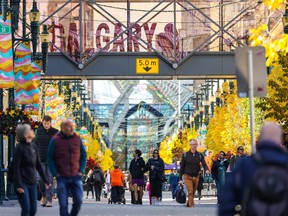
[44, 45]
[34, 18]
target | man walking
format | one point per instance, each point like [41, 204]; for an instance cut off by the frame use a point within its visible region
[235, 158]
[221, 161]
[258, 185]
[66, 161]
[190, 167]
[43, 136]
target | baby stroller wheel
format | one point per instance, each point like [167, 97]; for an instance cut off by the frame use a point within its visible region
[109, 201]
[124, 201]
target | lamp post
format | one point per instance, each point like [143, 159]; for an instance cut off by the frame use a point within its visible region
[285, 20]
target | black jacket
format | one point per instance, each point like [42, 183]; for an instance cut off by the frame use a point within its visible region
[42, 140]
[159, 166]
[190, 164]
[98, 172]
[137, 168]
[215, 168]
[25, 164]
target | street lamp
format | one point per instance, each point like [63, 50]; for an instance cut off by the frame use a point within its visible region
[34, 18]
[44, 46]
[285, 20]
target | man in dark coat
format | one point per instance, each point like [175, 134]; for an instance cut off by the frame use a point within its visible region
[43, 136]
[271, 151]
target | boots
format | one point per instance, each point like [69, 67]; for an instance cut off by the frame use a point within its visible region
[43, 201]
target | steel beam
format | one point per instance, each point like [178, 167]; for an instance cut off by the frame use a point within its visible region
[116, 66]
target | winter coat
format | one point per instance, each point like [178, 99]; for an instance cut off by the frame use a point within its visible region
[42, 140]
[137, 168]
[241, 177]
[158, 164]
[117, 178]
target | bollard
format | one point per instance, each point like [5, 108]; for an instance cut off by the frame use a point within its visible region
[221, 175]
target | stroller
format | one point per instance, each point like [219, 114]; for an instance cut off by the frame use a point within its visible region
[123, 200]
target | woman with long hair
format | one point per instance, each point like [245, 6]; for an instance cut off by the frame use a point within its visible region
[155, 165]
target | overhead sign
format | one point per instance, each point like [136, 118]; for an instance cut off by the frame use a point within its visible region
[259, 71]
[147, 65]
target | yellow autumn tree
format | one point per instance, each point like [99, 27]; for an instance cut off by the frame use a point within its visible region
[275, 104]
[172, 148]
[229, 127]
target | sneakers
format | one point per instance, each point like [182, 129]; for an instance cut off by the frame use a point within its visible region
[43, 201]
[49, 204]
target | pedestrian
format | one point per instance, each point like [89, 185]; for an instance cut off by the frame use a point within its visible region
[149, 191]
[200, 185]
[155, 165]
[89, 184]
[25, 163]
[235, 158]
[221, 161]
[98, 182]
[43, 136]
[131, 188]
[117, 180]
[108, 183]
[173, 181]
[137, 169]
[190, 168]
[66, 161]
[258, 185]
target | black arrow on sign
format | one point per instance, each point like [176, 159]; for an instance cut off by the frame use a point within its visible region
[147, 69]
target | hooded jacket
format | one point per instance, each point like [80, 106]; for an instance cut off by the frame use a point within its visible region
[117, 178]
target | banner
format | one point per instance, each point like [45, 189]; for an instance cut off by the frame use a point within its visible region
[6, 54]
[32, 109]
[23, 74]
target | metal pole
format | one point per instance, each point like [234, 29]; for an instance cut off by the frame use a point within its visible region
[24, 19]
[128, 24]
[179, 103]
[81, 32]
[221, 38]
[251, 95]
[2, 184]
[175, 30]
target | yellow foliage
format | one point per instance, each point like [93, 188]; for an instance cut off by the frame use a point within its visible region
[229, 127]
[274, 4]
[172, 148]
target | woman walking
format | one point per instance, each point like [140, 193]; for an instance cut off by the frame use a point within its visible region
[137, 169]
[25, 165]
[155, 166]
[89, 183]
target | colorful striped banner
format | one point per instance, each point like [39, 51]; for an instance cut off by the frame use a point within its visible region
[33, 109]
[23, 74]
[6, 54]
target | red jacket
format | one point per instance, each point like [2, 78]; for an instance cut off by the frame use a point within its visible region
[117, 178]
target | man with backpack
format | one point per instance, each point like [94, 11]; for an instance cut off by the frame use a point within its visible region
[258, 185]
[190, 168]
[98, 182]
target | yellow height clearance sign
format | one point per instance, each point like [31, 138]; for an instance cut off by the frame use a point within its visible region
[147, 66]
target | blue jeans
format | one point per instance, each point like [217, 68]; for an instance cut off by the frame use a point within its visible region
[174, 190]
[75, 185]
[27, 200]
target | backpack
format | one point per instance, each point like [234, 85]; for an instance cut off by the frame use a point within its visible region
[96, 177]
[181, 195]
[268, 192]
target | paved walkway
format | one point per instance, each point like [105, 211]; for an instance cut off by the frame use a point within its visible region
[206, 207]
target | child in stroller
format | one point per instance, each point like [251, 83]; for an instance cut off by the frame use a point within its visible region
[117, 191]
